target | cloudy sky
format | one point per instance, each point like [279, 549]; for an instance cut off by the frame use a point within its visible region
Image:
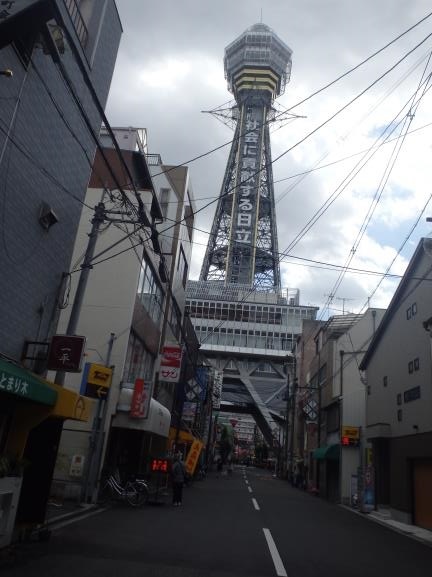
[349, 208]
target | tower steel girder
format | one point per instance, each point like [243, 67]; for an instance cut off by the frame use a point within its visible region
[242, 246]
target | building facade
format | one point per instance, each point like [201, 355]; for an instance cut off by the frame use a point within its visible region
[399, 401]
[59, 64]
[127, 316]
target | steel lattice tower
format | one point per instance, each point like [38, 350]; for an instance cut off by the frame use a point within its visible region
[242, 246]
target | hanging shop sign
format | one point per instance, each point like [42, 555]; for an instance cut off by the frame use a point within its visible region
[193, 456]
[189, 411]
[217, 389]
[66, 353]
[96, 381]
[202, 379]
[170, 364]
[350, 436]
[140, 403]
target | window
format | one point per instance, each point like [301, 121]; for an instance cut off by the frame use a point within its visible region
[399, 415]
[164, 199]
[399, 399]
[410, 367]
[149, 291]
[416, 364]
[385, 381]
[412, 394]
[182, 267]
[411, 311]
[368, 390]
[139, 362]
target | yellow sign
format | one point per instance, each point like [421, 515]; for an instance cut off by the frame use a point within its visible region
[369, 461]
[99, 375]
[193, 456]
[351, 432]
[71, 405]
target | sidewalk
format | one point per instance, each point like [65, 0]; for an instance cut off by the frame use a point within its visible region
[383, 517]
[66, 510]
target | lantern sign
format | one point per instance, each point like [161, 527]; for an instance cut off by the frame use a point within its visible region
[170, 363]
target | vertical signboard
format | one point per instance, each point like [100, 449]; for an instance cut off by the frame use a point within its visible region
[248, 176]
[140, 400]
[193, 456]
[202, 377]
[170, 363]
[368, 493]
[217, 389]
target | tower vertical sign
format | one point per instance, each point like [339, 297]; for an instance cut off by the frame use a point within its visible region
[247, 196]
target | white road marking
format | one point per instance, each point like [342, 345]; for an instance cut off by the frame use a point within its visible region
[277, 561]
[67, 522]
[247, 482]
[255, 504]
[250, 489]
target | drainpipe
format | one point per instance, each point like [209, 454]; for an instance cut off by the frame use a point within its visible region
[341, 353]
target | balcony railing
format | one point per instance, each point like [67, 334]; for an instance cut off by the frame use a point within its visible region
[78, 21]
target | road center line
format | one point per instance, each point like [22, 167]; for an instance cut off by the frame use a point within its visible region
[247, 482]
[277, 561]
[255, 504]
[250, 489]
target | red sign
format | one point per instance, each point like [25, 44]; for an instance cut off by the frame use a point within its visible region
[170, 363]
[140, 400]
[66, 353]
[159, 465]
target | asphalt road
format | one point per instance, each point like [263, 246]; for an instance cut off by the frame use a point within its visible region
[247, 525]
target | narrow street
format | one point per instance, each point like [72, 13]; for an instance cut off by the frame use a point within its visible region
[247, 525]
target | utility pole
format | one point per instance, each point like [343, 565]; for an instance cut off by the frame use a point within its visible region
[97, 221]
[89, 485]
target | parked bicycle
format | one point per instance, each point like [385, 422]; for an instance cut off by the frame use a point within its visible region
[134, 492]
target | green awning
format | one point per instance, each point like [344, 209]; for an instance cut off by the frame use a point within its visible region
[329, 452]
[19, 382]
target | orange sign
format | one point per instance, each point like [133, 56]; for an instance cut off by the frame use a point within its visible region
[193, 456]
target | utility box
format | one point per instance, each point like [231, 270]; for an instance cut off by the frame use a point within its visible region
[10, 488]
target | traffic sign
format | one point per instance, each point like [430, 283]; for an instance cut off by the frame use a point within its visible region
[96, 391]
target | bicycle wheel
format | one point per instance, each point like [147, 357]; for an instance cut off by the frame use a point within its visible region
[104, 494]
[134, 497]
[143, 491]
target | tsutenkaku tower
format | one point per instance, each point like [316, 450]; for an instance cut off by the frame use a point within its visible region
[242, 246]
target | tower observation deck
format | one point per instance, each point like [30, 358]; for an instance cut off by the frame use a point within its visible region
[242, 246]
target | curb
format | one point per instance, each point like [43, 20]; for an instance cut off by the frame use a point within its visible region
[405, 532]
[76, 514]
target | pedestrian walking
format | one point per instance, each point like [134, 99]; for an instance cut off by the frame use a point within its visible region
[178, 474]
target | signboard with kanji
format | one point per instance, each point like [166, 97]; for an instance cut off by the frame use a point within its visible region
[193, 456]
[19, 382]
[170, 363]
[140, 403]
[66, 353]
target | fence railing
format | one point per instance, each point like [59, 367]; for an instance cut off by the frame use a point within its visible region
[78, 21]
